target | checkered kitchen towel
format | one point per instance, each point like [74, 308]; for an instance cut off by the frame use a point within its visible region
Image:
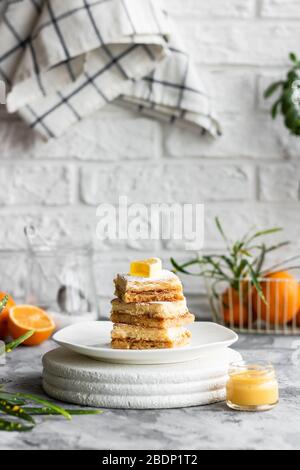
[63, 60]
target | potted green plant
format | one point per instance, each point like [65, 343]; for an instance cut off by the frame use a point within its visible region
[288, 104]
[241, 289]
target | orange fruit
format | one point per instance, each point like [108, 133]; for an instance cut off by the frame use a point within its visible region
[235, 308]
[4, 315]
[298, 315]
[23, 318]
[281, 291]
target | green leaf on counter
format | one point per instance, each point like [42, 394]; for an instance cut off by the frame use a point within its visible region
[32, 398]
[48, 412]
[14, 344]
[10, 426]
[15, 410]
[11, 399]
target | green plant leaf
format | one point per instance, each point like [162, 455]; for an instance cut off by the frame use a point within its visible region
[11, 399]
[217, 266]
[221, 231]
[256, 284]
[10, 426]
[246, 253]
[3, 303]
[241, 268]
[12, 405]
[45, 403]
[263, 233]
[286, 100]
[229, 262]
[48, 412]
[181, 268]
[282, 265]
[293, 57]
[291, 268]
[292, 118]
[292, 76]
[259, 262]
[296, 130]
[16, 411]
[272, 88]
[277, 247]
[14, 344]
[275, 108]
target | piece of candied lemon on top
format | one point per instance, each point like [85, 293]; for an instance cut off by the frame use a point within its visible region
[151, 267]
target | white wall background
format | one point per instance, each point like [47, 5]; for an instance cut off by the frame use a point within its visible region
[250, 175]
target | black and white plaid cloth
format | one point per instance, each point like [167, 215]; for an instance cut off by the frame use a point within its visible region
[63, 60]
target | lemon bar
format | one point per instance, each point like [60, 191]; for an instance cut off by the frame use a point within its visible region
[152, 314]
[135, 337]
[147, 321]
[131, 289]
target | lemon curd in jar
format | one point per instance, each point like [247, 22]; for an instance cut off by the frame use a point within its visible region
[252, 387]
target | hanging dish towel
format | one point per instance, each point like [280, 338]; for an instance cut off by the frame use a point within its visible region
[63, 60]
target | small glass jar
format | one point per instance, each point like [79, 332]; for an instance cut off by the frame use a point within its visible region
[252, 387]
[61, 281]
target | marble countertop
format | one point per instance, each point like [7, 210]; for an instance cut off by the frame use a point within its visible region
[209, 427]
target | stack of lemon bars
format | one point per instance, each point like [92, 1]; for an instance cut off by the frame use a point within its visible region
[150, 311]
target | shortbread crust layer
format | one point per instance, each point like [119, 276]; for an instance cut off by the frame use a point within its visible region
[134, 344]
[150, 322]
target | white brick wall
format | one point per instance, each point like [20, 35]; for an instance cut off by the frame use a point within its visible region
[280, 9]
[250, 175]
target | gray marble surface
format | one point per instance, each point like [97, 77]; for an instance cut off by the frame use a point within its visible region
[210, 427]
